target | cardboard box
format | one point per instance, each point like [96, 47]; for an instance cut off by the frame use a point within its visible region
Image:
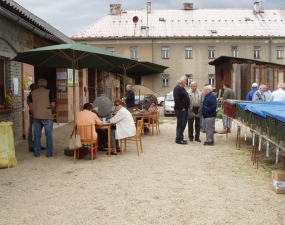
[278, 181]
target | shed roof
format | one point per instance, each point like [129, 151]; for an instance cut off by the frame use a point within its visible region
[222, 59]
[188, 24]
[27, 16]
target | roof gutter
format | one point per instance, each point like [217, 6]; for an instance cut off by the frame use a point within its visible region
[28, 26]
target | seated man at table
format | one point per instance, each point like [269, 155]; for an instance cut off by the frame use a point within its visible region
[125, 126]
[150, 108]
[86, 117]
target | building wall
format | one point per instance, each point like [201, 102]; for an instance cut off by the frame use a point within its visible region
[11, 37]
[150, 50]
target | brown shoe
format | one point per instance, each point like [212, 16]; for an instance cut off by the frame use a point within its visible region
[228, 130]
[224, 131]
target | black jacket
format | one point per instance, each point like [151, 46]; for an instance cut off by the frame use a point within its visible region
[130, 99]
[181, 98]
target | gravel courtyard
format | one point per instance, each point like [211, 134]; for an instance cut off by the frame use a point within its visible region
[167, 184]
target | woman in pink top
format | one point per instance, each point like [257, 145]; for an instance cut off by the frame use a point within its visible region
[86, 117]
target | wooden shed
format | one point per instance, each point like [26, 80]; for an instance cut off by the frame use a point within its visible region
[240, 73]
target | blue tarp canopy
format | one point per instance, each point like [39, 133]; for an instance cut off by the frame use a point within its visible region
[272, 109]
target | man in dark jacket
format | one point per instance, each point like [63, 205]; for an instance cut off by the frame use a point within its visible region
[209, 113]
[181, 105]
[130, 99]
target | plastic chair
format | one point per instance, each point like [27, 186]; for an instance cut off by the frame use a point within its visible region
[86, 134]
[137, 138]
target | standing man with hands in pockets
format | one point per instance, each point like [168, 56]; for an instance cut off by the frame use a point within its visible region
[181, 105]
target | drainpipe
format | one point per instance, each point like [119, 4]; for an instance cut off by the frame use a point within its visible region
[270, 42]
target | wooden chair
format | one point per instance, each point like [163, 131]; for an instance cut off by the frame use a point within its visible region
[86, 135]
[137, 138]
[153, 122]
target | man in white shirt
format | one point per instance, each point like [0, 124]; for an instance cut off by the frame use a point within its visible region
[279, 94]
[267, 92]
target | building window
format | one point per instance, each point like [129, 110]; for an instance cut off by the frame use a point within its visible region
[165, 52]
[188, 52]
[211, 51]
[279, 52]
[256, 52]
[211, 78]
[189, 79]
[2, 81]
[234, 51]
[134, 53]
[111, 49]
[165, 79]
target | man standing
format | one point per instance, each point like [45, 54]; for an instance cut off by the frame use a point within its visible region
[259, 95]
[41, 105]
[33, 87]
[181, 105]
[253, 90]
[267, 92]
[279, 94]
[228, 94]
[194, 112]
[209, 113]
[130, 99]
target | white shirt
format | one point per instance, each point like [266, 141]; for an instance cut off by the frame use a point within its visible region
[278, 95]
[267, 95]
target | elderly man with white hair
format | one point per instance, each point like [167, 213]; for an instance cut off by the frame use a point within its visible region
[259, 95]
[279, 94]
[194, 112]
[209, 113]
[181, 105]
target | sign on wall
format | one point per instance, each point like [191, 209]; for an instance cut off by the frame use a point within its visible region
[70, 78]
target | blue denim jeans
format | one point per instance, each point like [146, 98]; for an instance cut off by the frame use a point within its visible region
[30, 134]
[227, 123]
[182, 117]
[38, 127]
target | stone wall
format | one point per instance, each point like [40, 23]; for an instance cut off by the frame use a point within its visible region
[11, 36]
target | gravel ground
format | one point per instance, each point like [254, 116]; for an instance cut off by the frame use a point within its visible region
[167, 184]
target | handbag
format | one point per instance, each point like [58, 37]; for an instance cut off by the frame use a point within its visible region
[75, 141]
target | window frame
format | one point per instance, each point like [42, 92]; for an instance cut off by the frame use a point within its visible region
[165, 52]
[279, 52]
[110, 49]
[188, 52]
[212, 80]
[165, 77]
[211, 52]
[234, 50]
[257, 52]
[134, 50]
[189, 79]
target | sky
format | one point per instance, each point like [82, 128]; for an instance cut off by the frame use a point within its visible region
[72, 16]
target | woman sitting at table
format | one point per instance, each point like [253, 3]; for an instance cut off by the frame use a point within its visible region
[86, 117]
[150, 108]
[125, 126]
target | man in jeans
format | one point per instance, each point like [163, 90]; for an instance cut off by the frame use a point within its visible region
[41, 105]
[194, 112]
[181, 105]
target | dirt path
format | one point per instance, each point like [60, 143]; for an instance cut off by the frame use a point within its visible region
[167, 184]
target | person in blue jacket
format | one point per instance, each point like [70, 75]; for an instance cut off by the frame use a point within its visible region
[209, 113]
[251, 93]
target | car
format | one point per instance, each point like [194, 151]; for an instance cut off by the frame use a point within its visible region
[160, 100]
[139, 99]
[168, 107]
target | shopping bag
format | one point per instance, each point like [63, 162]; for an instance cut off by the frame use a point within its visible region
[7, 146]
[75, 142]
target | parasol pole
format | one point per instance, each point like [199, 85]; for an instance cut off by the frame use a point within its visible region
[124, 81]
[74, 101]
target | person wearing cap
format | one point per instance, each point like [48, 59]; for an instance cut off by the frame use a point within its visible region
[259, 95]
[267, 92]
[253, 90]
[279, 94]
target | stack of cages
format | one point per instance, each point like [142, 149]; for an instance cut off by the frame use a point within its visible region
[281, 133]
[259, 124]
[273, 129]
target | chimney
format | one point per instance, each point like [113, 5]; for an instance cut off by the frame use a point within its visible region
[188, 6]
[148, 7]
[256, 7]
[115, 9]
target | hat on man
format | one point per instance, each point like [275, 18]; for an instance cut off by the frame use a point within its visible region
[254, 85]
